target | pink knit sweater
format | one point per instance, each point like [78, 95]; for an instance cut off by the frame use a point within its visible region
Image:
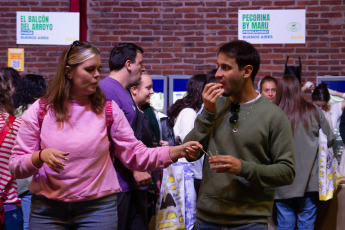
[89, 172]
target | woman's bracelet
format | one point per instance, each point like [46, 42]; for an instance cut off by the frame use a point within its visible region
[39, 155]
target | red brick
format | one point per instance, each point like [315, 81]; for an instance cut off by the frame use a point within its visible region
[318, 8]
[189, 39]
[207, 22]
[307, 3]
[171, 39]
[130, 4]
[191, 67]
[174, 50]
[129, 15]
[172, 4]
[329, 2]
[208, 10]
[172, 16]
[163, 32]
[215, 3]
[143, 10]
[170, 61]
[161, 67]
[261, 3]
[239, 3]
[284, 3]
[328, 62]
[200, 3]
[163, 55]
[50, 3]
[184, 21]
[184, 10]
[129, 39]
[191, 16]
[151, 4]
[142, 33]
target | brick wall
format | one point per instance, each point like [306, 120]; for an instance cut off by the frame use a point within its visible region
[182, 36]
[39, 59]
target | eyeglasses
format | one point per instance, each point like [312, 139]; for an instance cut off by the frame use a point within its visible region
[235, 108]
[74, 44]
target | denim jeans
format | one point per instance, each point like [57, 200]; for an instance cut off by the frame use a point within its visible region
[201, 225]
[303, 208]
[99, 214]
[13, 217]
[26, 203]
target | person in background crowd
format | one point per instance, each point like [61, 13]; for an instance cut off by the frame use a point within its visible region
[15, 76]
[342, 134]
[308, 85]
[28, 91]
[141, 94]
[126, 67]
[268, 88]
[299, 200]
[72, 167]
[254, 147]
[13, 215]
[183, 114]
[321, 97]
[31, 88]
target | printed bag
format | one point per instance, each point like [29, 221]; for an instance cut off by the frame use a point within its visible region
[329, 171]
[176, 204]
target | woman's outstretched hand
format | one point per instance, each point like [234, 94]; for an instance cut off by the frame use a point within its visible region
[190, 150]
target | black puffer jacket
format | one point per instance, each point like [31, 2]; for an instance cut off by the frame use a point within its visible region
[167, 131]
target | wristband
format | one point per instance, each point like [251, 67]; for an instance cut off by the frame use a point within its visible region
[343, 96]
[39, 155]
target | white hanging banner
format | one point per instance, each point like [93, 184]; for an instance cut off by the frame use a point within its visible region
[47, 28]
[272, 26]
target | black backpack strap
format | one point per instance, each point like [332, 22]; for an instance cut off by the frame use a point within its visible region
[287, 59]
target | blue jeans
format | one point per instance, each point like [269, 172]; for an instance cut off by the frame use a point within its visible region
[201, 225]
[26, 203]
[303, 208]
[97, 214]
[13, 217]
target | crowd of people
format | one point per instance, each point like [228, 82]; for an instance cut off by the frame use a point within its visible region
[92, 152]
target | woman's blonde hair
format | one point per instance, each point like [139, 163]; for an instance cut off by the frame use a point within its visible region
[58, 92]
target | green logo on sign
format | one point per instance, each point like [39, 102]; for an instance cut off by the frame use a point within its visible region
[293, 26]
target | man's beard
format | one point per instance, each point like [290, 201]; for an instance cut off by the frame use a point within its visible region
[227, 93]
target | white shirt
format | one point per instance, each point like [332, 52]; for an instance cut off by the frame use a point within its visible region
[183, 125]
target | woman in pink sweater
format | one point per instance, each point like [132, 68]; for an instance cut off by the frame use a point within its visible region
[74, 182]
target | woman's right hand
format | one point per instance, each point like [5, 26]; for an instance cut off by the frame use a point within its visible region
[190, 150]
[50, 156]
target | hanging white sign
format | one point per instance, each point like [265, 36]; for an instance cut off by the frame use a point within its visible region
[272, 26]
[47, 28]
